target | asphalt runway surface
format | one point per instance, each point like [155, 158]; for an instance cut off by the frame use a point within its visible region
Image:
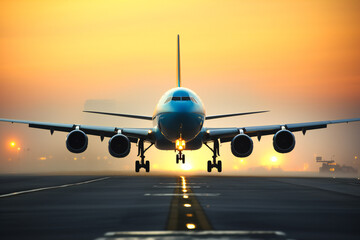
[140, 207]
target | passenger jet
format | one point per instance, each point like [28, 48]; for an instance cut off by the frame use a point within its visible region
[178, 124]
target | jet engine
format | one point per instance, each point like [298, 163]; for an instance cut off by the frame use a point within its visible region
[76, 141]
[119, 146]
[242, 145]
[284, 141]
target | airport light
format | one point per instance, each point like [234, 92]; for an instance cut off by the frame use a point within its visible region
[187, 205]
[190, 226]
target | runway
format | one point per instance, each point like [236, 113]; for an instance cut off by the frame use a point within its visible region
[199, 207]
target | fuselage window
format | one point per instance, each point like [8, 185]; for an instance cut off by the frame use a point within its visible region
[186, 98]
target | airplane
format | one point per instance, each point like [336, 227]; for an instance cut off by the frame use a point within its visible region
[178, 125]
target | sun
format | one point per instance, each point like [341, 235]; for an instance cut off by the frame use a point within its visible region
[12, 144]
[186, 166]
[274, 159]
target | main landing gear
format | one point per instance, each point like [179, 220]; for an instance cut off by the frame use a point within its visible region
[216, 153]
[180, 157]
[142, 163]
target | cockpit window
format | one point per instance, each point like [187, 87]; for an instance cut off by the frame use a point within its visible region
[180, 99]
[167, 100]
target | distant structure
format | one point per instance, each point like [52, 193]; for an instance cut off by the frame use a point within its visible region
[331, 167]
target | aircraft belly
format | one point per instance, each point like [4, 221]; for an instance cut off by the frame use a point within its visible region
[184, 125]
[162, 143]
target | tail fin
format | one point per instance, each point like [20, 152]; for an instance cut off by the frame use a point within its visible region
[178, 61]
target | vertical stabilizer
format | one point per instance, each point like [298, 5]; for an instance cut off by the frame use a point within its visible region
[178, 61]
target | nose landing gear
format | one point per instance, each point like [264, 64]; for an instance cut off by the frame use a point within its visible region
[216, 153]
[180, 157]
[142, 163]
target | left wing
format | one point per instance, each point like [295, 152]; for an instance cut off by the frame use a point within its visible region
[132, 133]
[226, 134]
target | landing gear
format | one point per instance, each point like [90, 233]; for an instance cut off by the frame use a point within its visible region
[142, 163]
[216, 152]
[180, 157]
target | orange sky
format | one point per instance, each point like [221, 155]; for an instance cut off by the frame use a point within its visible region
[299, 59]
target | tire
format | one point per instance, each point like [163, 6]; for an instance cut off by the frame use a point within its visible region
[219, 166]
[209, 166]
[137, 166]
[147, 166]
[177, 159]
[183, 159]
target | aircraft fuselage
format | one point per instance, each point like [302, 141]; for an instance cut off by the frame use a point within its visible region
[179, 114]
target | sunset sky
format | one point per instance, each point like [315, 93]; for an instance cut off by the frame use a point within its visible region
[298, 59]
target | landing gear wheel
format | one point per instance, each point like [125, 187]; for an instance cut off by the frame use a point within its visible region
[142, 164]
[214, 164]
[219, 166]
[180, 158]
[147, 166]
[209, 166]
[137, 166]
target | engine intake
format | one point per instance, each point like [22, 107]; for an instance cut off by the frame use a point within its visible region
[284, 141]
[119, 146]
[76, 141]
[242, 145]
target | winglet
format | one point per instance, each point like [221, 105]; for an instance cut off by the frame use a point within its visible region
[178, 61]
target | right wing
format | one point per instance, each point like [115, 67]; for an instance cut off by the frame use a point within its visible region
[226, 134]
[232, 115]
[132, 133]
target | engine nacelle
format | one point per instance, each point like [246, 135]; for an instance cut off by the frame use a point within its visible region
[284, 141]
[76, 141]
[242, 145]
[119, 146]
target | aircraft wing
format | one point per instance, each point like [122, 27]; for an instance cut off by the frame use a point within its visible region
[226, 134]
[132, 133]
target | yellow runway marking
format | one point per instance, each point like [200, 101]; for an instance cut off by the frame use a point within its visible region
[185, 211]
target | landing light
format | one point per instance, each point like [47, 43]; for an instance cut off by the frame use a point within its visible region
[180, 144]
[12, 144]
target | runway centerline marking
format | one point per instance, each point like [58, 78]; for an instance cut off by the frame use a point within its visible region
[156, 186]
[52, 187]
[186, 212]
[181, 194]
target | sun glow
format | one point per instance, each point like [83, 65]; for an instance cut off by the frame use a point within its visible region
[186, 167]
[274, 159]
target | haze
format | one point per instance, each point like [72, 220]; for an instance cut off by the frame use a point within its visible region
[299, 59]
